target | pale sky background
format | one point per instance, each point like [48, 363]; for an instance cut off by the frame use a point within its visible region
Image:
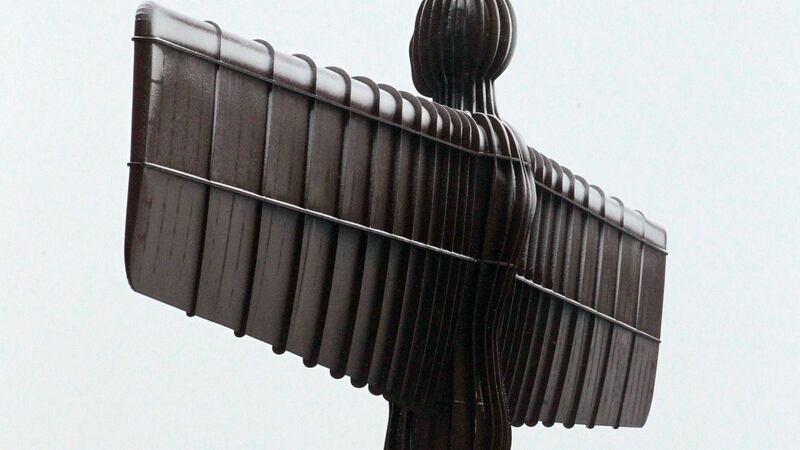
[687, 110]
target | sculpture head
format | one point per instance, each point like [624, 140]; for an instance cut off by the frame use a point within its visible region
[459, 48]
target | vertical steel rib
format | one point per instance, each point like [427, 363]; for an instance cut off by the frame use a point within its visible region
[242, 331]
[203, 228]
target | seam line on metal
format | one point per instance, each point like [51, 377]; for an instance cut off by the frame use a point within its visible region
[587, 309]
[319, 215]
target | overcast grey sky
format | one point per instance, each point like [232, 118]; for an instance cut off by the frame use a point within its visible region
[687, 110]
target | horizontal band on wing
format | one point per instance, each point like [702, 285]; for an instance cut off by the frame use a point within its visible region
[594, 312]
[308, 212]
[356, 226]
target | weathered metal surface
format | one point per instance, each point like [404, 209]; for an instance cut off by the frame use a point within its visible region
[373, 232]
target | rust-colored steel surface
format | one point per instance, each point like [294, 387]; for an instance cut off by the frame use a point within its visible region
[424, 251]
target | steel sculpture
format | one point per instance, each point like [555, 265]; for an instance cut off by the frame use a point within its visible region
[419, 247]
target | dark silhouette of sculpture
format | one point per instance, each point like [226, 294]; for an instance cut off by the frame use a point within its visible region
[420, 248]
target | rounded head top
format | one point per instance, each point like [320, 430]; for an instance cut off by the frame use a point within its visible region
[458, 44]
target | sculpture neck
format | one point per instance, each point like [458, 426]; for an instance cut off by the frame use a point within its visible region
[473, 97]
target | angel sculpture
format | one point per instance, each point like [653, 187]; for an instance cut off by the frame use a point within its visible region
[419, 248]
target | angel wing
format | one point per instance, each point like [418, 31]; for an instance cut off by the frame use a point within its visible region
[581, 333]
[325, 215]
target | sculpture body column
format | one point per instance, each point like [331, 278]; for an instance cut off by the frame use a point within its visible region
[458, 49]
